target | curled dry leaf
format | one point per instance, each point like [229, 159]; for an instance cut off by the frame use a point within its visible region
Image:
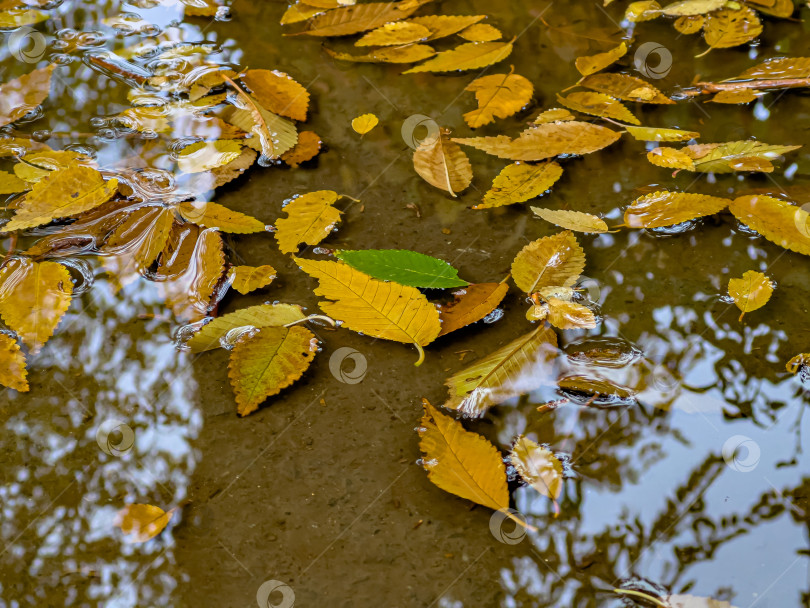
[264, 363]
[398, 32]
[348, 20]
[364, 123]
[34, 298]
[13, 373]
[461, 462]
[142, 522]
[310, 219]
[664, 208]
[750, 292]
[245, 279]
[555, 260]
[598, 104]
[210, 336]
[307, 148]
[443, 164]
[523, 365]
[520, 182]
[214, 215]
[778, 221]
[278, 92]
[470, 305]
[572, 220]
[21, 95]
[468, 56]
[538, 467]
[498, 95]
[597, 63]
[625, 87]
[404, 267]
[376, 308]
[661, 134]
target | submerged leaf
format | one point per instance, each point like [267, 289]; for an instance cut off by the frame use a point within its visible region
[143, 522]
[245, 279]
[20, 96]
[399, 54]
[310, 219]
[569, 315]
[443, 164]
[555, 260]
[12, 365]
[403, 267]
[471, 304]
[750, 292]
[307, 148]
[538, 467]
[263, 364]
[481, 32]
[210, 336]
[498, 95]
[665, 208]
[520, 182]
[207, 155]
[468, 56]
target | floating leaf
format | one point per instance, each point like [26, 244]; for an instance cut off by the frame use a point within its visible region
[470, 305]
[692, 7]
[349, 20]
[794, 366]
[443, 164]
[12, 365]
[689, 25]
[481, 32]
[278, 92]
[736, 97]
[461, 462]
[572, 220]
[553, 115]
[598, 104]
[778, 221]
[747, 155]
[644, 10]
[598, 62]
[731, 27]
[63, 193]
[142, 522]
[664, 208]
[538, 467]
[404, 267]
[34, 297]
[263, 364]
[569, 315]
[207, 155]
[677, 601]
[20, 96]
[498, 95]
[625, 87]
[11, 184]
[383, 310]
[546, 141]
[400, 54]
[214, 215]
[310, 219]
[468, 56]
[661, 134]
[555, 260]
[365, 123]
[515, 369]
[750, 292]
[398, 32]
[16, 17]
[42, 164]
[520, 182]
[778, 68]
[245, 279]
[264, 315]
[441, 26]
[307, 148]
[671, 158]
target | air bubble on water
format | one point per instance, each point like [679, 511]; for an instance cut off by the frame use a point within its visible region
[494, 316]
[265, 161]
[41, 135]
[185, 333]
[321, 251]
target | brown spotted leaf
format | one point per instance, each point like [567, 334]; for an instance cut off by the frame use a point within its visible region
[731, 27]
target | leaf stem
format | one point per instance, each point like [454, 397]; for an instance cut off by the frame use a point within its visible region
[642, 595]
[520, 521]
[421, 358]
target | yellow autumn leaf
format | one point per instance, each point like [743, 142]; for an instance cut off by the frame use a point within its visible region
[778, 221]
[399, 54]
[264, 363]
[245, 279]
[20, 96]
[597, 63]
[796, 363]
[644, 10]
[598, 104]
[12, 364]
[520, 182]
[664, 208]
[207, 155]
[555, 260]
[35, 297]
[731, 27]
[776, 68]
[443, 164]
[553, 115]
[214, 215]
[569, 315]
[441, 26]
[538, 467]
[692, 7]
[736, 97]
[467, 56]
[11, 184]
[689, 25]
[307, 148]
[397, 32]
[517, 368]
[572, 220]
[471, 304]
[670, 158]
[498, 95]
[310, 219]
[461, 462]
[376, 308]
[142, 522]
[348, 20]
[745, 155]
[481, 32]
[750, 292]
[42, 164]
[622, 86]
[16, 17]
[546, 141]
[210, 336]
[62, 194]
[299, 11]
[278, 92]
[661, 134]
[364, 123]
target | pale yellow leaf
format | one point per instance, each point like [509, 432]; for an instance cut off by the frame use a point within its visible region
[569, 315]
[520, 182]
[598, 62]
[664, 208]
[207, 155]
[750, 292]
[538, 467]
[572, 220]
[644, 10]
[498, 95]
[467, 56]
[364, 123]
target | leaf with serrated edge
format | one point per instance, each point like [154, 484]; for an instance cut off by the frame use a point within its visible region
[778, 221]
[470, 305]
[692, 7]
[628, 88]
[263, 315]
[750, 292]
[498, 95]
[572, 220]
[12, 365]
[664, 208]
[660, 134]
[403, 266]
[731, 27]
[523, 365]
[778, 68]
[468, 56]
[569, 315]
[142, 522]
[598, 104]
[349, 20]
[34, 298]
[441, 26]
[380, 309]
[597, 63]
[310, 219]
[214, 215]
[398, 32]
[264, 363]
[538, 467]
[64, 193]
[278, 92]
[644, 10]
[443, 164]
[461, 462]
[245, 279]
[555, 260]
[520, 182]
[11, 184]
[398, 54]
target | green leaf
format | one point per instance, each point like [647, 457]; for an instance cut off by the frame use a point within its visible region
[404, 267]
